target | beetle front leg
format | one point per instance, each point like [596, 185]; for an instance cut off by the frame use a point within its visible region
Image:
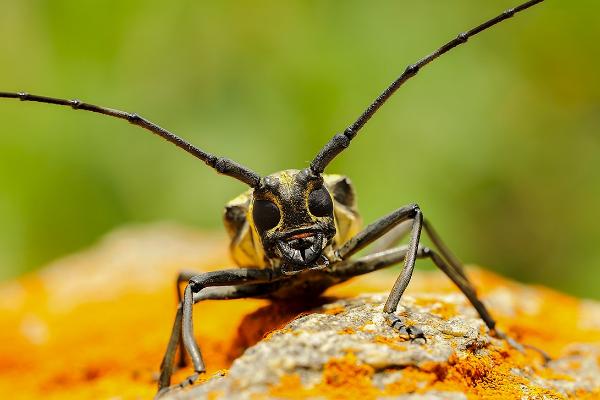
[211, 293]
[187, 326]
[407, 270]
[446, 262]
[449, 263]
[242, 276]
[378, 229]
[183, 276]
[373, 232]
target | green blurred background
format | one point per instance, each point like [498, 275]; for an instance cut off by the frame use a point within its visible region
[498, 141]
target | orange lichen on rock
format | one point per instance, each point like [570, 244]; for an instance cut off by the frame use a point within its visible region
[95, 325]
[346, 331]
[393, 343]
[485, 368]
[346, 378]
[345, 371]
[442, 309]
[412, 380]
[343, 378]
[334, 310]
[479, 377]
[488, 376]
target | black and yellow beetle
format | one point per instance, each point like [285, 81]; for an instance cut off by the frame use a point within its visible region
[294, 232]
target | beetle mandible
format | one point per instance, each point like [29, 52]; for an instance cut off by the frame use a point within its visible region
[294, 232]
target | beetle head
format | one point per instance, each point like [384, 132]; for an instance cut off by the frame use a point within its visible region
[292, 213]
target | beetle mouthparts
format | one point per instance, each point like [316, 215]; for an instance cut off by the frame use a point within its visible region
[300, 251]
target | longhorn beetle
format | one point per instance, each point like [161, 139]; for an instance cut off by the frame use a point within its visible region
[294, 232]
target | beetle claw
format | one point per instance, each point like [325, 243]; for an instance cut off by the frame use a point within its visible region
[190, 380]
[413, 332]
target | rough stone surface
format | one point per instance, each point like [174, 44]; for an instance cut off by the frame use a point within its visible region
[345, 349]
[94, 325]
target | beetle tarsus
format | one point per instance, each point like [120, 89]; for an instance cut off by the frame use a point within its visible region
[413, 332]
[190, 380]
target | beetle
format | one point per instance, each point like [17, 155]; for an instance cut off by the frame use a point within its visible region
[293, 233]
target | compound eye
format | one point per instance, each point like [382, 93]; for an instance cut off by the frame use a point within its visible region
[265, 214]
[319, 202]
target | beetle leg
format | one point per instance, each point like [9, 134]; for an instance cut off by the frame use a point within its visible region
[460, 279]
[413, 332]
[369, 263]
[408, 267]
[175, 340]
[445, 252]
[228, 277]
[392, 238]
[211, 293]
[183, 276]
[455, 268]
[166, 366]
[347, 269]
[373, 262]
[379, 228]
[394, 256]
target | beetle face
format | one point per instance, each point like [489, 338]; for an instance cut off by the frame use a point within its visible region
[292, 212]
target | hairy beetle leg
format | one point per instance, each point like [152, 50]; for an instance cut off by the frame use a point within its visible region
[413, 332]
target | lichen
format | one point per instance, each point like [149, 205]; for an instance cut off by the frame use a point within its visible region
[480, 377]
[95, 325]
[343, 378]
[478, 365]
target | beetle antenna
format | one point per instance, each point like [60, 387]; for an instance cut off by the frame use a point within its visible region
[224, 166]
[342, 140]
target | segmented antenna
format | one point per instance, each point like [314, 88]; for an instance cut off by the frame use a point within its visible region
[222, 165]
[342, 140]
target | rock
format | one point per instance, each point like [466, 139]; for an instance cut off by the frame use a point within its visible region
[95, 325]
[345, 350]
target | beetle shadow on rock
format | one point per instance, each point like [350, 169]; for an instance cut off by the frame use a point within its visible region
[257, 325]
